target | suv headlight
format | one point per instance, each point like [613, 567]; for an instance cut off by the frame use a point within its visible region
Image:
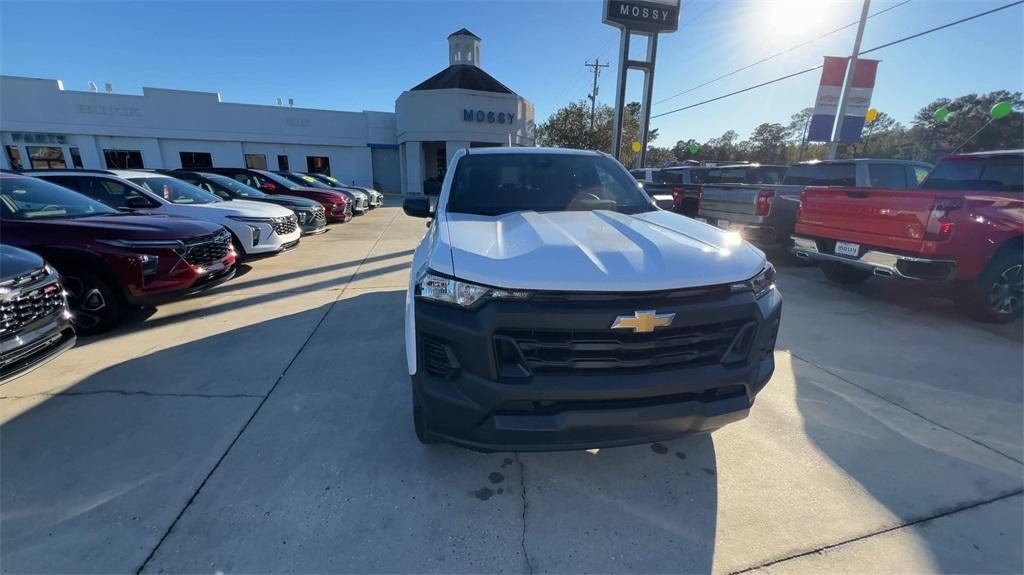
[760, 284]
[449, 290]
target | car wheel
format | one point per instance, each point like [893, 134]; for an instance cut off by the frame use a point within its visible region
[997, 296]
[844, 274]
[419, 421]
[239, 252]
[95, 306]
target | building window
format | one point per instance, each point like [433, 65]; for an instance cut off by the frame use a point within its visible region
[195, 160]
[43, 157]
[282, 162]
[14, 155]
[318, 164]
[76, 158]
[123, 159]
[256, 161]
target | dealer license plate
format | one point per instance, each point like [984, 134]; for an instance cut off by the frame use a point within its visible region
[847, 249]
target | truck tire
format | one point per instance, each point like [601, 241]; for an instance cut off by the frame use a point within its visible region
[419, 421]
[844, 274]
[95, 306]
[997, 296]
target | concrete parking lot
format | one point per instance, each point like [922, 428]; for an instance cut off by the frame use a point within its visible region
[266, 426]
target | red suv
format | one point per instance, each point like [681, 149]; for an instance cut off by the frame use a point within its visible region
[335, 203]
[111, 260]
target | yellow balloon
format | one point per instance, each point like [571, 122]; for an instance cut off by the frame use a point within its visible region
[871, 115]
[636, 147]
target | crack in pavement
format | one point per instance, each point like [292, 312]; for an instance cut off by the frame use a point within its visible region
[263, 401]
[522, 494]
[903, 407]
[819, 550]
[144, 393]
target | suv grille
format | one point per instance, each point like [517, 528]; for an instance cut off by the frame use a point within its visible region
[28, 306]
[560, 351]
[208, 249]
[319, 216]
[285, 225]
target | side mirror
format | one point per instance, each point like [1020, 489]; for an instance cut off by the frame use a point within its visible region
[137, 203]
[417, 207]
[269, 187]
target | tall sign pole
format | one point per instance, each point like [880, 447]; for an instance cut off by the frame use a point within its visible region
[849, 79]
[645, 18]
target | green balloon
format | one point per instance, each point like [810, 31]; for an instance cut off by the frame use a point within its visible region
[940, 114]
[1001, 110]
[695, 147]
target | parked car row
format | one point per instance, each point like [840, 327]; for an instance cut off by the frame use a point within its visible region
[960, 222]
[105, 241]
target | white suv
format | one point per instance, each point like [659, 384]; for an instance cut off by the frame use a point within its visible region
[552, 305]
[257, 228]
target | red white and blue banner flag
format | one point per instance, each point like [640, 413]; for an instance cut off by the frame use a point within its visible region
[858, 100]
[826, 106]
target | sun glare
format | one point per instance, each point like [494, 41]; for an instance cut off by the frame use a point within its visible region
[795, 17]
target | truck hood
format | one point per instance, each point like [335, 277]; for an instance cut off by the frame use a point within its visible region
[594, 251]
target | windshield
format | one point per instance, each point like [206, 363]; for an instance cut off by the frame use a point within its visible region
[304, 180]
[1002, 174]
[493, 184]
[175, 191]
[234, 186]
[32, 199]
[841, 174]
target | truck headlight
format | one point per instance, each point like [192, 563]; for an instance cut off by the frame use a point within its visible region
[760, 284]
[449, 290]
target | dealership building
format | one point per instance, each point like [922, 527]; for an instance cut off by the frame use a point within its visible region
[42, 125]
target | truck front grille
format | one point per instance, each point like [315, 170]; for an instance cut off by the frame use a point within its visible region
[582, 351]
[208, 249]
[26, 307]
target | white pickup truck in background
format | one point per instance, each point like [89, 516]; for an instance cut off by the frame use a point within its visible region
[763, 207]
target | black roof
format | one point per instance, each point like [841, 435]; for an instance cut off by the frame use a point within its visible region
[464, 76]
[463, 32]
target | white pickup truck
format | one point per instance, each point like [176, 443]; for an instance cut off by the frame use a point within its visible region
[761, 204]
[552, 305]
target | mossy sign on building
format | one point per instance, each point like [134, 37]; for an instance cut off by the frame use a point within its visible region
[489, 117]
[645, 15]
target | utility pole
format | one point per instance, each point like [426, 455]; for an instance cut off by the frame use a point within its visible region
[849, 80]
[597, 65]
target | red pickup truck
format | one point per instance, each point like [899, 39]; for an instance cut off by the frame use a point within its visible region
[963, 224]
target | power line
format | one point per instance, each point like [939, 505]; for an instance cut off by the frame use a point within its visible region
[861, 53]
[777, 54]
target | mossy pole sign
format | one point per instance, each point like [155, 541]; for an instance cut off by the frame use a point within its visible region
[647, 19]
[646, 15]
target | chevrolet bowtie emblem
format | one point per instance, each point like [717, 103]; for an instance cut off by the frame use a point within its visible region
[643, 321]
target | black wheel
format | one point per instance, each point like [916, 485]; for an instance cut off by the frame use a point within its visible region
[239, 252]
[419, 421]
[95, 305]
[844, 274]
[997, 296]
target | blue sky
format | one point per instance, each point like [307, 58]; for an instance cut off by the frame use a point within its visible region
[361, 55]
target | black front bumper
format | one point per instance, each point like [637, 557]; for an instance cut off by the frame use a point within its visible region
[551, 375]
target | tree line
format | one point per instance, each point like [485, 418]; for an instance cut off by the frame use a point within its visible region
[927, 138]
